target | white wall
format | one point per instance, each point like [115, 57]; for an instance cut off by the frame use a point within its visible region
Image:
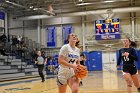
[26, 28]
[30, 29]
[59, 37]
[31, 33]
[77, 29]
[43, 36]
[109, 60]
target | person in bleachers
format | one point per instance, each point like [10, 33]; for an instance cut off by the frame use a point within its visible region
[3, 38]
[14, 40]
[34, 54]
[3, 52]
[82, 62]
[52, 65]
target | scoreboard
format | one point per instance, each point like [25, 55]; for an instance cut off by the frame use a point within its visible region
[107, 29]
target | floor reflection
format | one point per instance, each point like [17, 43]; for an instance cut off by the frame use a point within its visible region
[95, 82]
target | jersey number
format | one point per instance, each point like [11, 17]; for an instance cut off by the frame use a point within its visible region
[72, 61]
[126, 59]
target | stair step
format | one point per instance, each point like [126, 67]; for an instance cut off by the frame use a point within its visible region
[8, 71]
[5, 67]
[9, 57]
[28, 66]
[1, 63]
[12, 75]
[34, 73]
[31, 70]
[13, 60]
[18, 63]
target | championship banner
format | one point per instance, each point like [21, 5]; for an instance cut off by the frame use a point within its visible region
[107, 29]
[2, 17]
[51, 36]
[67, 29]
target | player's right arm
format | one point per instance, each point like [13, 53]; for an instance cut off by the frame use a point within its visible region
[119, 59]
[62, 57]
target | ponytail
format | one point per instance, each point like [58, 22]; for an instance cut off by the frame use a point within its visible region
[77, 43]
[132, 43]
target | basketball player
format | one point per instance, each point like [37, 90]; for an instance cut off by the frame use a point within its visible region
[82, 62]
[128, 56]
[68, 59]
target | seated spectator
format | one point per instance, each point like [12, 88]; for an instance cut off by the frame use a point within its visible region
[14, 41]
[52, 65]
[3, 38]
[34, 54]
[3, 52]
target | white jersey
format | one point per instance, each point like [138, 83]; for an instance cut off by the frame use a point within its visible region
[71, 54]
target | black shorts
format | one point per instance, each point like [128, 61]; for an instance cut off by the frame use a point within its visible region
[130, 68]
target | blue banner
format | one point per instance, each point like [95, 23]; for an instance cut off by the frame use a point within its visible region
[2, 15]
[67, 29]
[51, 36]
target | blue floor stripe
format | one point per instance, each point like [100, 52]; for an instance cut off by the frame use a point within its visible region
[24, 81]
[18, 82]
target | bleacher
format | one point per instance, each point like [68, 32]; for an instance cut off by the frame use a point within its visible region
[16, 63]
[13, 68]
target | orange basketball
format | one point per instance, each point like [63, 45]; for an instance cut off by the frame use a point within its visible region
[81, 71]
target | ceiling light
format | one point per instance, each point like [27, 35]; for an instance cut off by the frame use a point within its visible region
[35, 8]
[108, 1]
[80, 4]
[7, 1]
[80, 0]
[15, 4]
[31, 6]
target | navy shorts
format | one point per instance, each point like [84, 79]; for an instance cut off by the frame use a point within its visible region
[130, 68]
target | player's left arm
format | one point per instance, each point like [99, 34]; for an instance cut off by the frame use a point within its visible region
[133, 55]
[78, 61]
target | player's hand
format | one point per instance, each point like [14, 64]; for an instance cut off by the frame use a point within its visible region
[74, 66]
[126, 54]
[36, 62]
[77, 61]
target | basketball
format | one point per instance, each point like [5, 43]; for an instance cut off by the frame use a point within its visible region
[81, 71]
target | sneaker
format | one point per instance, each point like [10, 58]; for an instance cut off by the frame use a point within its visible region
[138, 90]
[42, 80]
[81, 83]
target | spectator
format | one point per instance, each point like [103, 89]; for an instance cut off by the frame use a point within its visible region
[34, 54]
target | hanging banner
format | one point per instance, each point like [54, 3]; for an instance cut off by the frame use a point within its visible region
[67, 29]
[51, 36]
[2, 15]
